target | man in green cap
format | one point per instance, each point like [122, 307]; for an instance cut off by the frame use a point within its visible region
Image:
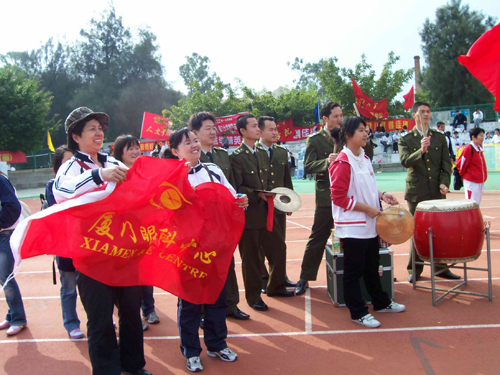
[425, 153]
[280, 177]
[318, 157]
[203, 125]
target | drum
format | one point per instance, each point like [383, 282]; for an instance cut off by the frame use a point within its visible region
[457, 226]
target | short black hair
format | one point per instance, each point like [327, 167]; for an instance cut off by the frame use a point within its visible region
[455, 132]
[58, 157]
[175, 140]
[349, 126]
[327, 108]
[439, 123]
[262, 121]
[122, 141]
[497, 130]
[405, 127]
[78, 130]
[242, 121]
[414, 109]
[475, 132]
[456, 110]
[196, 120]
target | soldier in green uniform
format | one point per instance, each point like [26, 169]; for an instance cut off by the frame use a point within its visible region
[429, 170]
[203, 126]
[250, 165]
[280, 177]
[319, 154]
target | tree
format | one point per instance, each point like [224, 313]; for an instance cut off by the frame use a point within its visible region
[196, 69]
[24, 108]
[453, 32]
[332, 82]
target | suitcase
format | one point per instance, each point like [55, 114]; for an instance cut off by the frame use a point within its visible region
[335, 275]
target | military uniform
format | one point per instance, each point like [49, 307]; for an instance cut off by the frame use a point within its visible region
[319, 146]
[251, 172]
[220, 157]
[426, 172]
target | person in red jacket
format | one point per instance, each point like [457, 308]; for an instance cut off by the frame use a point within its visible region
[472, 166]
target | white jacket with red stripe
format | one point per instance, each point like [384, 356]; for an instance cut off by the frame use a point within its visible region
[471, 164]
[352, 180]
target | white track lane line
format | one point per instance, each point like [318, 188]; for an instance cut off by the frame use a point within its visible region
[287, 334]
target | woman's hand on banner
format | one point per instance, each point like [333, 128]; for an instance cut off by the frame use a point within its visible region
[114, 174]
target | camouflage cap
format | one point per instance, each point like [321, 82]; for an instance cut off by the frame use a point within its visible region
[80, 114]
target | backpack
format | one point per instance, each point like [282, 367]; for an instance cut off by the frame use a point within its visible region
[458, 182]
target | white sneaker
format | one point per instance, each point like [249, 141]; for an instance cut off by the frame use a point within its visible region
[76, 334]
[145, 327]
[393, 308]
[194, 364]
[152, 318]
[367, 321]
[227, 355]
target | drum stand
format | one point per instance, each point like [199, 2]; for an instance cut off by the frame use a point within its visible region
[453, 265]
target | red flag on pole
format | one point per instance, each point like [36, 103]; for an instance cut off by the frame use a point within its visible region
[152, 229]
[409, 99]
[483, 62]
[155, 127]
[367, 106]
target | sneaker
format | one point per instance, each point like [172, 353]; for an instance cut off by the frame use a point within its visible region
[367, 321]
[393, 308]
[194, 364]
[152, 318]
[145, 327]
[76, 334]
[14, 330]
[225, 354]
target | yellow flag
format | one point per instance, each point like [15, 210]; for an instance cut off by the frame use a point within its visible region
[49, 143]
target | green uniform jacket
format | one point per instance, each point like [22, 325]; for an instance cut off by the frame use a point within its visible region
[250, 174]
[280, 169]
[221, 159]
[425, 171]
[318, 147]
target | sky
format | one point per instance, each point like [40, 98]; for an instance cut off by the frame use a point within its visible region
[249, 41]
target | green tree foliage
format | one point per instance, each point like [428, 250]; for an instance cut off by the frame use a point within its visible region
[24, 107]
[332, 82]
[453, 32]
[196, 74]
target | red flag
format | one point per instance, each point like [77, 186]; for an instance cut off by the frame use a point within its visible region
[409, 99]
[227, 123]
[483, 62]
[152, 229]
[155, 127]
[287, 132]
[367, 106]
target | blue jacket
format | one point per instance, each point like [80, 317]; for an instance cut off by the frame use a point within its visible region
[11, 208]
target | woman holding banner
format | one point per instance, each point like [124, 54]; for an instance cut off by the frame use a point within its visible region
[126, 150]
[87, 170]
[185, 145]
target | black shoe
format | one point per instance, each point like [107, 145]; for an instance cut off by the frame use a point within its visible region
[449, 275]
[239, 315]
[260, 306]
[140, 372]
[301, 287]
[410, 279]
[290, 284]
[202, 323]
[286, 293]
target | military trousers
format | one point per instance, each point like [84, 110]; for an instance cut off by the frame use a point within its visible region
[274, 247]
[279, 223]
[315, 248]
[418, 267]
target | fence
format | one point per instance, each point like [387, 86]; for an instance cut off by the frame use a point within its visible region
[39, 159]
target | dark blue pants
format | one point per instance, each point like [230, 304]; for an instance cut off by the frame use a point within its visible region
[98, 299]
[188, 320]
[361, 259]
[148, 301]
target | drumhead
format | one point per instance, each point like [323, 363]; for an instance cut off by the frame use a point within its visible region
[447, 205]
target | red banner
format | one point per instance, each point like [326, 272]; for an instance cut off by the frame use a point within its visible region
[409, 99]
[155, 127]
[148, 146]
[483, 62]
[393, 124]
[227, 123]
[152, 229]
[13, 157]
[367, 106]
[233, 139]
[289, 133]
